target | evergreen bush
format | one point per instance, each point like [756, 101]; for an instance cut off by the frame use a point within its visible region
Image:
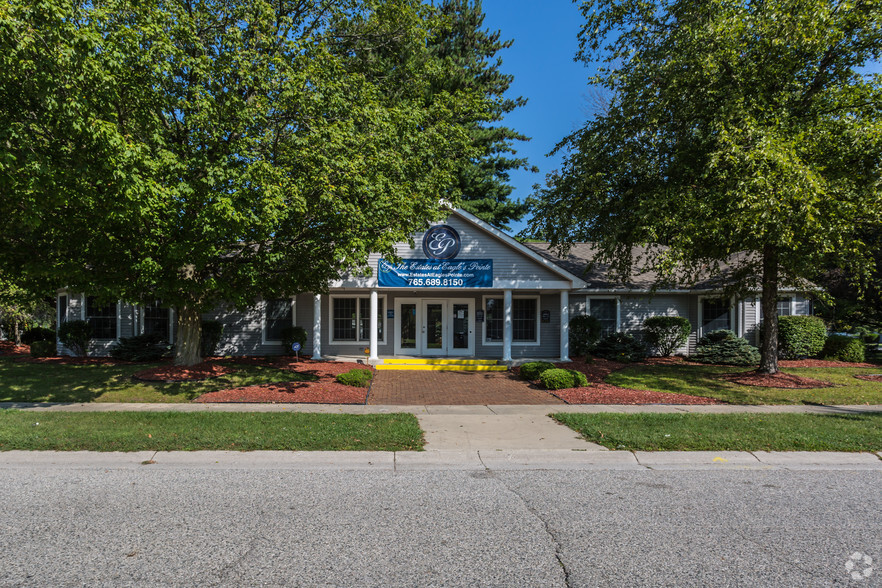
[357, 377]
[725, 348]
[291, 335]
[584, 333]
[558, 379]
[43, 348]
[620, 347]
[666, 333]
[37, 334]
[533, 369]
[76, 336]
[146, 347]
[842, 348]
[212, 331]
[800, 336]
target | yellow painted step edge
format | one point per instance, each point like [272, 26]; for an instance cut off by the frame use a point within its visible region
[449, 368]
[439, 361]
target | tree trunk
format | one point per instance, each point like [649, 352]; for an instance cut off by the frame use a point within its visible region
[769, 348]
[189, 336]
[16, 329]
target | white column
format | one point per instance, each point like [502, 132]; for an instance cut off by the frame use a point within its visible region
[565, 325]
[317, 327]
[506, 330]
[374, 301]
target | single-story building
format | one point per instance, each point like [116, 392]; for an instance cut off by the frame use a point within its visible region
[466, 290]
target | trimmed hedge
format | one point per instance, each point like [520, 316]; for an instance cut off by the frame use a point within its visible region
[584, 333]
[800, 336]
[212, 331]
[620, 347]
[726, 348]
[42, 348]
[357, 377]
[37, 334]
[666, 333]
[558, 379]
[533, 369]
[76, 336]
[146, 347]
[842, 348]
[291, 335]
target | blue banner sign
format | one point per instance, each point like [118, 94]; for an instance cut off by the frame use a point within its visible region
[433, 273]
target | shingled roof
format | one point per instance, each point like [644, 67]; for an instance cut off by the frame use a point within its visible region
[579, 259]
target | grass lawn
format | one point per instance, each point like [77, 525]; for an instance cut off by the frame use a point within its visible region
[48, 382]
[176, 431]
[699, 380]
[734, 432]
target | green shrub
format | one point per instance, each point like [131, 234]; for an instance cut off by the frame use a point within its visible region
[358, 377]
[212, 331]
[620, 347]
[37, 334]
[558, 379]
[43, 348]
[842, 348]
[533, 369]
[800, 336]
[725, 348]
[584, 333]
[146, 347]
[291, 335]
[666, 333]
[76, 336]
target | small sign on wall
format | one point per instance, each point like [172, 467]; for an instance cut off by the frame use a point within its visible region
[479, 315]
[390, 313]
[546, 316]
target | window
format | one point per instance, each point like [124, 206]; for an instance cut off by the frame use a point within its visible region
[102, 319]
[62, 310]
[157, 321]
[605, 310]
[351, 319]
[715, 315]
[494, 320]
[524, 320]
[279, 315]
[784, 306]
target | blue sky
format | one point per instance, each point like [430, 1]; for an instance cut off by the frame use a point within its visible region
[541, 60]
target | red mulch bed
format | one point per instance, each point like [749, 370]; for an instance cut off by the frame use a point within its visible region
[325, 390]
[810, 363]
[869, 377]
[183, 373]
[10, 348]
[779, 380]
[599, 392]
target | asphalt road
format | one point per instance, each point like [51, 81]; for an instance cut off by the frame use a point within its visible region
[187, 526]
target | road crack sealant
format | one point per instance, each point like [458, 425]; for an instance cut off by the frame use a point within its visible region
[555, 542]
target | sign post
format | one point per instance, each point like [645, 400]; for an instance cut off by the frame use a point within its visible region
[295, 347]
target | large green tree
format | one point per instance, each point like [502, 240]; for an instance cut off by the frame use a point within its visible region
[736, 131]
[208, 152]
[471, 52]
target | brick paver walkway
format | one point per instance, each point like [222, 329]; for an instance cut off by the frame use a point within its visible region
[428, 387]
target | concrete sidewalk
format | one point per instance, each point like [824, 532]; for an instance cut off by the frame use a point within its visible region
[447, 460]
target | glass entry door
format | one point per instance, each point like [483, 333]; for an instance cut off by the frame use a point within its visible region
[434, 328]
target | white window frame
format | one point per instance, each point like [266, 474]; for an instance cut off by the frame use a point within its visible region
[263, 339]
[358, 342]
[486, 343]
[618, 300]
[171, 322]
[733, 307]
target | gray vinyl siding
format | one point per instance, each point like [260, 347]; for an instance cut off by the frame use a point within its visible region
[243, 329]
[750, 315]
[508, 264]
